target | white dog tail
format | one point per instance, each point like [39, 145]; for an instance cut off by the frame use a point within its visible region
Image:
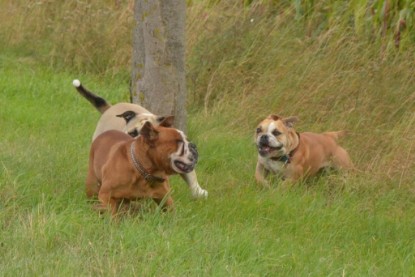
[98, 102]
[336, 135]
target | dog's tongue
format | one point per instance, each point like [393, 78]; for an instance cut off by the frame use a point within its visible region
[265, 148]
[184, 167]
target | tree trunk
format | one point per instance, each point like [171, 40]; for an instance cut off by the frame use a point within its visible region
[158, 73]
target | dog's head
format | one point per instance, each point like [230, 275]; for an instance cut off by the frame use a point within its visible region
[169, 148]
[275, 136]
[134, 122]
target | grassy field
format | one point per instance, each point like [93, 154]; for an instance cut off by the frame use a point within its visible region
[242, 65]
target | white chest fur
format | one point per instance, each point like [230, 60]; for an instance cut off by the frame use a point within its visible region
[276, 167]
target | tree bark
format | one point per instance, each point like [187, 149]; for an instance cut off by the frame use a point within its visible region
[158, 73]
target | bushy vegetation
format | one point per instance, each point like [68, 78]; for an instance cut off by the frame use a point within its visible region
[335, 64]
[245, 63]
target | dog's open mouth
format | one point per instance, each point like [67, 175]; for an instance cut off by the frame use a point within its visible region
[263, 150]
[185, 168]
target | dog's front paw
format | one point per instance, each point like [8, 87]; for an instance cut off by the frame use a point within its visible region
[200, 193]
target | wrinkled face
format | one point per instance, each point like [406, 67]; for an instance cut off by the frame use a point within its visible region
[185, 158]
[172, 148]
[275, 136]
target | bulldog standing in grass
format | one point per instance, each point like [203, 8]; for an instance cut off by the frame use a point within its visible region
[122, 168]
[130, 118]
[284, 152]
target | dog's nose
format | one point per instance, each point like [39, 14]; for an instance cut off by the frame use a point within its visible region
[263, 140]
[194, 154]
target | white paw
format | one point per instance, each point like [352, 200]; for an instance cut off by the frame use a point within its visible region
[200, 193]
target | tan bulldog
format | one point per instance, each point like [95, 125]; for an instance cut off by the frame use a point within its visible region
[284, 152]
[130, 118]
[123, 169]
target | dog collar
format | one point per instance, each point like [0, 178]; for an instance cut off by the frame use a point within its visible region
[296, 148]
[147, 176]
[286, 159]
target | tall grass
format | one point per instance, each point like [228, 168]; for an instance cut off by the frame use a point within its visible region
[87, 36]
[263, 63]
[95, 36]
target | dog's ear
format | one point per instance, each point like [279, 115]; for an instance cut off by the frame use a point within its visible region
[274, 117]
[149, 133]
[128, 115]
[166, 121]
[289, 121]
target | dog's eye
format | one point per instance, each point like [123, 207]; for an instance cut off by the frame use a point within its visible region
[258, 130]
[276, 133]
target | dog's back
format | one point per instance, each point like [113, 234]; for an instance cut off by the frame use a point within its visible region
[110, 121]
[336, 135]
[319, 143]
[323, 149]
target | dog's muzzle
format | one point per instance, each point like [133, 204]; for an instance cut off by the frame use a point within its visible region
[193, 151]
[264, 147]
[187, 160]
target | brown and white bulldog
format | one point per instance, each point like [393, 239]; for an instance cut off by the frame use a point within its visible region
[122, 168]
[130, 118]
[282, 151]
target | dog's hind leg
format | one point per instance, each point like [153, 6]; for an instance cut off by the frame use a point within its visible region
[341, 159]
